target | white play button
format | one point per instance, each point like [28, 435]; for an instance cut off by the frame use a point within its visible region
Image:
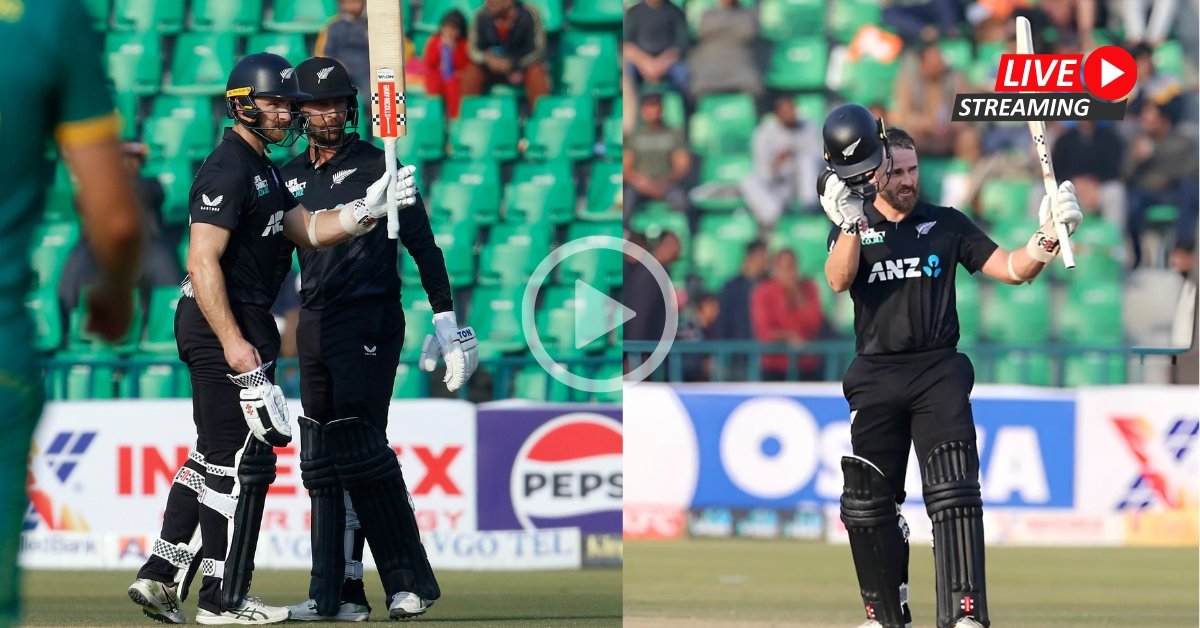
[596, 314]
[1109, 72]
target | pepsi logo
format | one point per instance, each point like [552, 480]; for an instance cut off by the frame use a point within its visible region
[570, 467]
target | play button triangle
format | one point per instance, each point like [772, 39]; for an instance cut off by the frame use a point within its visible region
[1109, 72]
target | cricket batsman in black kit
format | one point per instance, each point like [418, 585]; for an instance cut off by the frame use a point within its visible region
[242, 218]
[908, 384]
[349, 339]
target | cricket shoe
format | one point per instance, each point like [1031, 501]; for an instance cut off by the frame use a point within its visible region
[348, 611]
[158, 601]
[874, 624]
[251, 611]
[405, 605]
[968, 622]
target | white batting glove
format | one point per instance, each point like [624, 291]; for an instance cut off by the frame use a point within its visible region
[263, 407]
[406, 187]
[843, 208]
[458, 346]
[1063, 209]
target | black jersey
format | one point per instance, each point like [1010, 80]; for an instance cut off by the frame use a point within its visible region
[903, 293]
[364, 267]
[241, 190]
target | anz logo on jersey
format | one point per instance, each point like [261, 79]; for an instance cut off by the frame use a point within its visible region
[905, 268]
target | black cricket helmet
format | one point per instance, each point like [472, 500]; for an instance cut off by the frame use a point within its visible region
[260, 75]
[855, 143]
[323, 78]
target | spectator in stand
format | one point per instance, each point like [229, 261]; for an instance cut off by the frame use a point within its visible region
[656, 160]
[723, 58]
[1074, 19]
[787, 159]
[925, 90]
[699, 326]
[924, 20]
[345, 38]
[446, 59]
[735, 322]
[1160, 166]
[506, 44]
[642, 293]
[787, 308]
[655, 41]
[1089, 154]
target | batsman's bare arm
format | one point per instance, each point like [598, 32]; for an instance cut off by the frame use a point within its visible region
[205, 247]
[317, 229]
[1023, 266]
[842, 264]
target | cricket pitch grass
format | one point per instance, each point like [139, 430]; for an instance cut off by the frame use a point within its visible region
[535, 598]
[726, 583]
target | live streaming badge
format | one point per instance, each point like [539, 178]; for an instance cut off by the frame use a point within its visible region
[595, 314]
[1109, 73]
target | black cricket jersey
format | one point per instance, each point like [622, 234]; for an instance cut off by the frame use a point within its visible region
[241, 190]
[903, 294]
[364, 267]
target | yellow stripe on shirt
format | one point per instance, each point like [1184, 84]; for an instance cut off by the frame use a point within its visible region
[83, 132]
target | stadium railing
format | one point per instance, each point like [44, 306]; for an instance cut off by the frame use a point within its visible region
[1053, 364]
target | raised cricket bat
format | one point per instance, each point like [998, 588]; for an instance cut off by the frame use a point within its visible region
[1037, 130]
[385, 40]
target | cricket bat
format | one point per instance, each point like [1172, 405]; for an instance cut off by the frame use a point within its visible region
[385, 41]
[1037, 130]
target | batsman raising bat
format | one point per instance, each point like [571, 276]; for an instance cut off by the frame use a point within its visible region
[908, 384]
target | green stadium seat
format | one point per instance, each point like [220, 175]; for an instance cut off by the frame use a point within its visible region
[433, 10]
[845, 17]
[533, 382]
[164, 16]
[720, 245]
[290, 46]
[466, 189]
[987, 60]
[176, 176]
[966, 292]
[722, 124]
[1018, 314]
[496, 316]
[1169, 59]
[128, 106]
[589, 76]
[411, 382]
[457, 242]
[613, 133]
[160, 321]
[535, 202]
[1019, 367]
[134, 61]
[163, 381]
[418, 319]
[674, 114]
[957, 53]
[300, 16]
[1091, 314]
[808, 237]
[426, 125]
[87, 378]
[532, 235]
[561, 126]
[585, 311]
[505, 264]
[728, 171]
[550, 12]
[43, 309]
[236, 16]
[180, 133]
[598, 267]
[597, 13]
[486, 129]
[202, 64]
[99, 10]
[604, 193]
[782, 20]
[1005, 199]
[841, 314]
[1093, 369]
[52, 244]
[1099, 248]
[798, 64]
[869, 81]
[811, 107]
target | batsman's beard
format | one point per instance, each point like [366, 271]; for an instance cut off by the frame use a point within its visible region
[902, 203]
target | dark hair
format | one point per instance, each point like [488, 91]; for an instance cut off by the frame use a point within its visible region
[755, 246]
[899, 138]
[456, 20]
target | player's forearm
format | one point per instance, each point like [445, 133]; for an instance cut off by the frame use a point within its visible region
[208, 286]
[1024, 267]
[329, 228]
[842, 264]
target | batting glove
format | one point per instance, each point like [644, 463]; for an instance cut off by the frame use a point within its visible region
[841, 206]
[457, 346]
[1064, 210]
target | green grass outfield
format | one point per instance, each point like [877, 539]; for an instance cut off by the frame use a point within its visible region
[756, 583]
[533, 598]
